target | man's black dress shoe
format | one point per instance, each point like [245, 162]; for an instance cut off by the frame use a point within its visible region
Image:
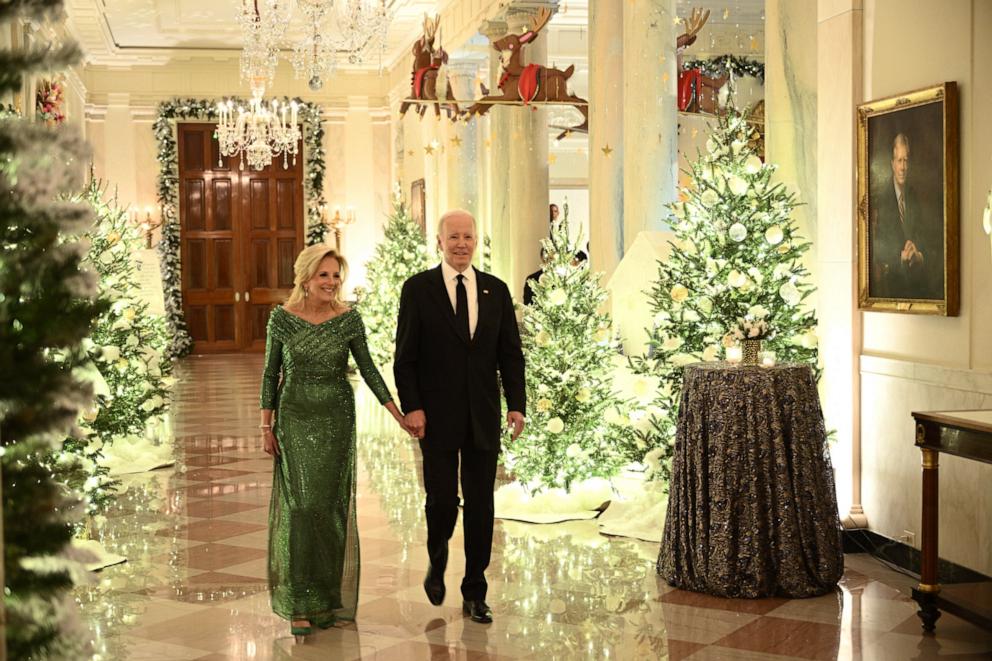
[434, 587]
[478, 610]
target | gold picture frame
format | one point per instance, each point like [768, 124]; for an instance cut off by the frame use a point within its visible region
[908, 236]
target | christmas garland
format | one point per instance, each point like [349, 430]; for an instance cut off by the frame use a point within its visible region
[169, 112]
[728, 64]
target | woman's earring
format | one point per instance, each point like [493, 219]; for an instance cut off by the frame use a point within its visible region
[306, 292]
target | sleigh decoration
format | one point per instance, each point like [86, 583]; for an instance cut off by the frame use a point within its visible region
[426, 78]
[697, 92]
[533, 84]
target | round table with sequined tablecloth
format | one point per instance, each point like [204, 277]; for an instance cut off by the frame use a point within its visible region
[752, 508]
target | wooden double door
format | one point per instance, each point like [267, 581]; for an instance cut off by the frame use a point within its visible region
[240, 232]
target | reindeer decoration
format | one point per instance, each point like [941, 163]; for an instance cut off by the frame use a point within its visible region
[697, 93]
[427, 62]
[532, 82]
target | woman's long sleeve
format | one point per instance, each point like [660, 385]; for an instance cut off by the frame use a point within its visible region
[269, 396]
[360, 350]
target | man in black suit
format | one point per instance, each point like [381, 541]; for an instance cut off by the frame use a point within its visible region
[907, 245]
[456, 340]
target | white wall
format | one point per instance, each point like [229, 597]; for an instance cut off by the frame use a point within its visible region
[915, 363]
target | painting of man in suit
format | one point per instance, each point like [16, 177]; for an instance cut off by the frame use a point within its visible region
[907, 221]
[906, 205]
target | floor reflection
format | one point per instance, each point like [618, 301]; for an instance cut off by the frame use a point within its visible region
[194, 586]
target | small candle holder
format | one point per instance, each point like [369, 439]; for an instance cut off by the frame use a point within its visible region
[148, 225]
[734, 355]
[337, 223]
[767, 358]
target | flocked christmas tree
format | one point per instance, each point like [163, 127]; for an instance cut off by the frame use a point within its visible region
[125, 349]
[577, 425]
[46, 310]
[736, 264]
[401, 254]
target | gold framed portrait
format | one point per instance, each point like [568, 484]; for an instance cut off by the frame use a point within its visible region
[908, 239]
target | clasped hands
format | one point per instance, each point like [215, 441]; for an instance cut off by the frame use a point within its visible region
[415, 422]
[910, 255]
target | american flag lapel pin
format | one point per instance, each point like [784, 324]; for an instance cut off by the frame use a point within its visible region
[485, 291]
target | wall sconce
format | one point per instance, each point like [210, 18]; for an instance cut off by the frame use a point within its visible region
[337, 223]
[148, 225]
[987, 217]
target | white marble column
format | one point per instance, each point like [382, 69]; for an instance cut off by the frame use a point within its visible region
[461, 150]
[501, 212]
[606, 179]
[650, 121]
[527, 189]
[790, 106]
[839, 38]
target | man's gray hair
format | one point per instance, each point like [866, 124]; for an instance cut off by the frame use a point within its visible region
[452, 214]
[900, 139]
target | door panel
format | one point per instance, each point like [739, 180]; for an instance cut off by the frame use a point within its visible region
[240, 232]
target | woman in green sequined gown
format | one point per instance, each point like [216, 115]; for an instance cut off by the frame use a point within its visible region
[313, 537]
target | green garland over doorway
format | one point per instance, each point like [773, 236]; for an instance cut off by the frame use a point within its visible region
[178, 110]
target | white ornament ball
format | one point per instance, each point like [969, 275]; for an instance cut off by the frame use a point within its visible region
[752, 165]
[789, 293]
[736, 279]
[709, 197]
[555, 425]
[737, 232]
[679, 293]
[738, 186]
[557, 297]
[774, 235]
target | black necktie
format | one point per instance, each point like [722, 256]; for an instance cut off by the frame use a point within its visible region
[461, 305]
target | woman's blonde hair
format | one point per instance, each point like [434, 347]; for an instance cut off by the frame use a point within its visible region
[305, 267]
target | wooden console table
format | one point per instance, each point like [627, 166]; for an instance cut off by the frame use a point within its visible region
[966, 434]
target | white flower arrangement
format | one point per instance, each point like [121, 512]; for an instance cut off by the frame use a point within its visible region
[751, 327]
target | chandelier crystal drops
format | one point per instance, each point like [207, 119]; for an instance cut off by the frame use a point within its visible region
[315, 57]
[263, 26]
[353, 29]
[259, 133]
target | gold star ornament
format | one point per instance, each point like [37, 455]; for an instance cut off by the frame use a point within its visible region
[607, 150]
[456, 141]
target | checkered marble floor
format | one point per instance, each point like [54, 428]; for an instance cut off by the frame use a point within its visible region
[194, 586]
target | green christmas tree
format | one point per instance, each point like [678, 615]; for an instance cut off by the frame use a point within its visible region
[126, 351]
[577, 425]
[736, 264]
[401, 254]
[46, 310]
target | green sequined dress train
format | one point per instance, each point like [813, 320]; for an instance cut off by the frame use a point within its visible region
[313, 536]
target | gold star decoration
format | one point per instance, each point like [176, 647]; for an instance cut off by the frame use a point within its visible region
[695, 132]
[456, 141]
[607, 150]
[409, 152]
[488, 142]
[429, 149]
[664, 77]
[552, 159]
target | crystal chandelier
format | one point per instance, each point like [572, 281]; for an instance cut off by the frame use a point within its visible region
[259, 133]
[315, 57]
[363, 26]
[263, 26]
[360, 28]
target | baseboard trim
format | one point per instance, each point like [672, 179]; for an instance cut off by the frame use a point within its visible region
[906, 557]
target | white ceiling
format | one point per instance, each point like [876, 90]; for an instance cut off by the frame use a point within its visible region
[130, 28]
[132, 31]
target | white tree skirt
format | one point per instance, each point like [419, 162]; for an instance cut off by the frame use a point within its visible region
[136, 454]
[93, 556]
[638, 510]
[585, 501]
